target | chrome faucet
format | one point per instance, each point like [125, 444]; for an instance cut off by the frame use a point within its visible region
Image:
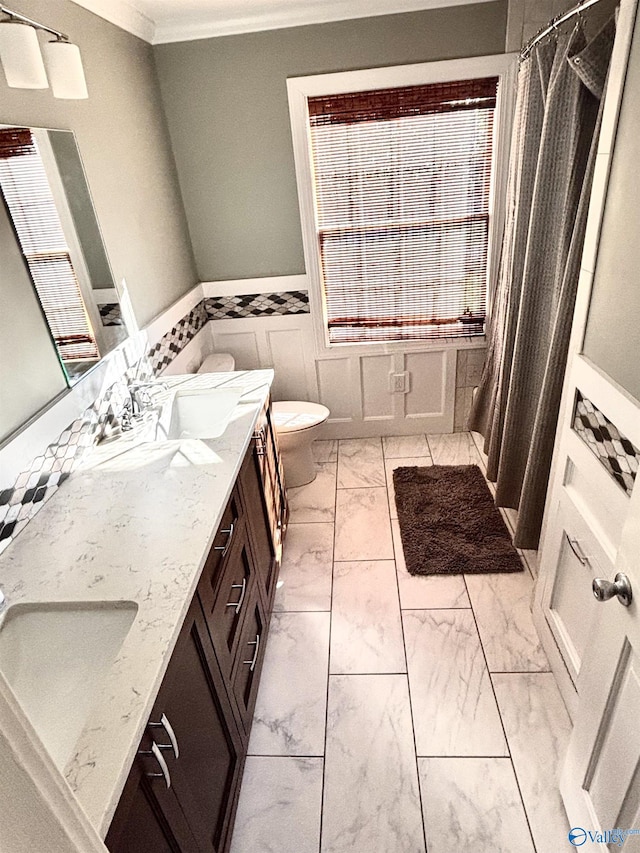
[140, 397]
[3, 601]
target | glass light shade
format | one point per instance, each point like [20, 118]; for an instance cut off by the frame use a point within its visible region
[65, 71]
[21, 57]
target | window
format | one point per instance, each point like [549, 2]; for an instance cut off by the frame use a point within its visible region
[399, 188]
[28, 196]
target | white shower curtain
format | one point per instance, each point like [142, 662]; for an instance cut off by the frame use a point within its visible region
[558, 109]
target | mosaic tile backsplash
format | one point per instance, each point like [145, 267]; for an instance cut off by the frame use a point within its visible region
[47, 472]
[618, 455]
[257, 305]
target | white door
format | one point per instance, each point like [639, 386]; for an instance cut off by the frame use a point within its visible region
[600, 781]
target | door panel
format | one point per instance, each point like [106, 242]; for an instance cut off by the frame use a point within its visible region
[569, 605]
[600, 777]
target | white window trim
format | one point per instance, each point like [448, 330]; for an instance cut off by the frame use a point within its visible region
[300, 89]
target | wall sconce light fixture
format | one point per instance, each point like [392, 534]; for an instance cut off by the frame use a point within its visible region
[27, 67]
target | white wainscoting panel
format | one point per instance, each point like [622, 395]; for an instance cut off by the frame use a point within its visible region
[243, 345]
[336, 387]
[375, 374]
[369, 391]
[288, 360]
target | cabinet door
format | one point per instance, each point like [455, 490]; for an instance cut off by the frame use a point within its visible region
[206, 775]
[248, 662]
[258, 523]
[148, 819]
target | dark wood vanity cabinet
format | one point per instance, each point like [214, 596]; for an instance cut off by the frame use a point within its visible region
[186, 806]
[207, 698]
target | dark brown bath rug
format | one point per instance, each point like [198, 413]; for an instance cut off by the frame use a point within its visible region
[449, 523]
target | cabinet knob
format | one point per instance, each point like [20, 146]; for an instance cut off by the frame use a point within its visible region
[166, 725]
[252, 663]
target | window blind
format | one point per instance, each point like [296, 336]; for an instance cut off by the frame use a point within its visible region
[402, 183]
[28, 196]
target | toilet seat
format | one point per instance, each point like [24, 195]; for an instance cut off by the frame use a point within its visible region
[297, 415]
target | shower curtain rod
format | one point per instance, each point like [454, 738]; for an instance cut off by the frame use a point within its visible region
[554, 23]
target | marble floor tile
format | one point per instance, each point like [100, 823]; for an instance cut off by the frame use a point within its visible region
[426, 592]
[280, 805]
[501, 604]
[317, 500]
[363, 528]
[366, 629]
[360, 463]
[403, 446]
[472, 805]
[456, 448]
[405, 462]
[304, 582]
[538, 729]
[454, 709]
[371, 799]
[290, 710]
[325, 450]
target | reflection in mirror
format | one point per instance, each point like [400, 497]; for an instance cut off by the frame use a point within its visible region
[43, 185]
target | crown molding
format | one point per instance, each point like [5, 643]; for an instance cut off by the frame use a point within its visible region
[123, 14]
[126, 15]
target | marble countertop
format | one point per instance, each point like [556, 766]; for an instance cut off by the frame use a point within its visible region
[134, 523]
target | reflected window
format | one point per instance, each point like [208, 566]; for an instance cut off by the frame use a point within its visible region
[28, 196]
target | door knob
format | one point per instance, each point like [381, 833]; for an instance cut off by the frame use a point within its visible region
[621, 587]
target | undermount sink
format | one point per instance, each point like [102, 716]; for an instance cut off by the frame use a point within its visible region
[55, 656]
[202, 413]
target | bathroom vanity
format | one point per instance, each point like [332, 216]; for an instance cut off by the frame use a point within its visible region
[186, 535]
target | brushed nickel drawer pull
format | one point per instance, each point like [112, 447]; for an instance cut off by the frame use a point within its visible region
[577, 550]
[238, 604]
[252, 663]
[224, 548]
[166, 725]
[155, 751]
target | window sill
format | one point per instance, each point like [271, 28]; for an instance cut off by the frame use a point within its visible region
[327, 351]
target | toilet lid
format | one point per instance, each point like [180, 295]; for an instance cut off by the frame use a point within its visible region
[294, 415]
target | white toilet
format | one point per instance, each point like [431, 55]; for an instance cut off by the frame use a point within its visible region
[296, 423]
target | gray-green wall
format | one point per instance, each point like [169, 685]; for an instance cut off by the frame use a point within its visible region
[123, 140]
[613, 329]
[226, 105]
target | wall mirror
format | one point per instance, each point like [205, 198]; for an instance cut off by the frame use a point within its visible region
[45, 192]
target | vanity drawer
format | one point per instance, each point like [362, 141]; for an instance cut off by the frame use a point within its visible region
[248, 660]
[227, 534]
[226, 617]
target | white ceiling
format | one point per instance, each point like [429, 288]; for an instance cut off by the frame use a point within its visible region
[160, 21]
